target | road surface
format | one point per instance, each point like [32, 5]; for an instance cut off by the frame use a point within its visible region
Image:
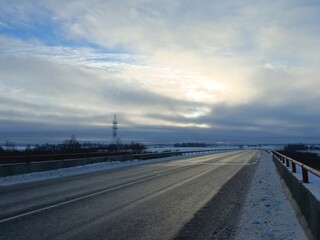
[194, 198]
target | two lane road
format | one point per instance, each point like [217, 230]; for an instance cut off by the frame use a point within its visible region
[193, 198]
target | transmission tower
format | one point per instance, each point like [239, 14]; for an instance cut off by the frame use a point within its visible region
[115, 139]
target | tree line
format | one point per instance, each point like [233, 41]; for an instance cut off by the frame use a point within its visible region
[298, 152]
[71, 145]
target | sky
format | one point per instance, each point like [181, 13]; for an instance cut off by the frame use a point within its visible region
[172, 71]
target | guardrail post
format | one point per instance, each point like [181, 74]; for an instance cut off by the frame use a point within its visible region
[305, 176]
[294, 170]
[287, 162]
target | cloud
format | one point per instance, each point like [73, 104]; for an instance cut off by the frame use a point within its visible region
[242, 67]
[62, 92]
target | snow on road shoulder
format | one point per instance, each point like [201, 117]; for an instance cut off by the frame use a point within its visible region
[267, 212]
[63, 172]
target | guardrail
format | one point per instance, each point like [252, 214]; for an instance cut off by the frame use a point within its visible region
[144, 156]
[15, 168]
[304, 168]
[27, 158]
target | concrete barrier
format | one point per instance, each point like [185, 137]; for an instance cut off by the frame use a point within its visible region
[309, 205]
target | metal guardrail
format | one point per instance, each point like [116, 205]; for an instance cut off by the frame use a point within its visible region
[176, 153]
[16, 168]
[304, 168]
[69, 156]
[29, 157]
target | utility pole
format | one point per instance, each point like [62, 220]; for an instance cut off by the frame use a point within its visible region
[115, 139]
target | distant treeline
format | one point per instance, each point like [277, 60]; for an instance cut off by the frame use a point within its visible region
[190, 145]
[300, 147]
[297, 152]
[71, 145]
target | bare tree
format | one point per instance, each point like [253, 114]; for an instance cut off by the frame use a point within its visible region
[10, 145]
[71, 144]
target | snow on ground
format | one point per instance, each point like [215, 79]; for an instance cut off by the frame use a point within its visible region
[267, 213]
[38, 176]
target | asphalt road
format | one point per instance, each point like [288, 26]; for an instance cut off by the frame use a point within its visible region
[195, 198]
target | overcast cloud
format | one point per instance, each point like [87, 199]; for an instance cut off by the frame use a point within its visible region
[213, 71]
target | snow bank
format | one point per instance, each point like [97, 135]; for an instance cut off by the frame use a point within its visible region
[267, 213]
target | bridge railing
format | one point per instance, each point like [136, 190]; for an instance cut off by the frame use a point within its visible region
[27, 158]
[45, 164]
[289, 162]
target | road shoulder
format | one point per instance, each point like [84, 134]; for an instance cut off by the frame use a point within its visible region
[267, 212]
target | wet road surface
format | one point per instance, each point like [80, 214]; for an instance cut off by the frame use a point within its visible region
[194, 198]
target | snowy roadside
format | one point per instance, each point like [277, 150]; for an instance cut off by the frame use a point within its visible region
[267, 213]
[63, 172]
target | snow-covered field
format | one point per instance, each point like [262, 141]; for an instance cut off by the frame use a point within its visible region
[267, 213]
